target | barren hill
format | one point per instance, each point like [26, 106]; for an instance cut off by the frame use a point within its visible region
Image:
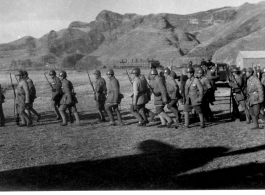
[220, 33]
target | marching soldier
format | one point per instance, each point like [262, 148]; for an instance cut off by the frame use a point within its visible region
[113, 98]
[173, 93]
[56, 93]
[207, 113]
[32, 96]
[160, 99]
[193, 97]
[239, 97]
[2, 116]
[100, 94]
[23, 100]
[255, 96]
[140, 97]
[68, 100]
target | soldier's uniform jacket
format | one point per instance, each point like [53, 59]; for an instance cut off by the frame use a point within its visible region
[100, 89]
[210, 74]
[22, 92]
[172, 88]
[238, 87]
[67, 89]
[159, 89]
[32, 89]
[205, 84]
[140, 90]
[113, 91]
[255, 91]
[193, 91]
[57, 86]
[263, 80]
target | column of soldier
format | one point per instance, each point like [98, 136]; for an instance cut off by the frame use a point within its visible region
[196, 93]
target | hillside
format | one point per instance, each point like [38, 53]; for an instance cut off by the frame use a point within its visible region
[220, 33]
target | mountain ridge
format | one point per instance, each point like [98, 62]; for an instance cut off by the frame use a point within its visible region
[111, 37]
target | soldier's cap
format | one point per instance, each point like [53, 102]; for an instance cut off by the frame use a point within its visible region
[97, 72]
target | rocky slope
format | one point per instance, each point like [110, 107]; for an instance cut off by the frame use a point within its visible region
[220, 33]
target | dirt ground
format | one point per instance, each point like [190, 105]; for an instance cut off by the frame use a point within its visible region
[224, 155]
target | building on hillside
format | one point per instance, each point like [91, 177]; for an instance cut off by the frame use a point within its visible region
[247, 59]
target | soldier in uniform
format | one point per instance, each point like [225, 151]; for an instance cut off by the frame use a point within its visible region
[243, 76]
[193, 97]
[100, 94]
[255, 96]
[23, 100]
[32, 96]
[2, 116]
[113, 98]
[68, 100]
[239, 97]
[173, 93]
[183, 79]
[207, 113]
[56, 93]
[211, 75]
[140, 97]
[160, 99]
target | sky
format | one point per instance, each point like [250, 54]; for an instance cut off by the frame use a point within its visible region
[19, 18]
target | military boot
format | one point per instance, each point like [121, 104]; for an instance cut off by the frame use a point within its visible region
[64, 123]
[77, 120]
[247, 117]
[201, 120]
[111, 118]
[187, 120]
[119, 117]
[256, 123]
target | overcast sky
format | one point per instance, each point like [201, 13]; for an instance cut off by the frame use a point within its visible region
[19, 18]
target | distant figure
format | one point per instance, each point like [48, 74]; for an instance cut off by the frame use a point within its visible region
[2, 116]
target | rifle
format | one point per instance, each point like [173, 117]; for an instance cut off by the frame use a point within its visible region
[129, 77]
[15, 108]
[149, 86]
[90, 82]
[48, 81]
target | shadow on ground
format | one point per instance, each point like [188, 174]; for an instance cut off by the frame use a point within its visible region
[158, 166]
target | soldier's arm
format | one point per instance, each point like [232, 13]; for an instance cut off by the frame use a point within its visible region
[199, 85]
[68, 92]
[26, 89]
[135, 92]
[162, 90]
[115, 87]
[260, 90]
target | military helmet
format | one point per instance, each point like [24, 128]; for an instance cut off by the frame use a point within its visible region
[235, 70]
[97, 72]
[52, 72]
[19, 73]
[167, 71]
[63, 74]
[136, 71]
[200, 71]
[250, 70]
[110, 72]
[25, 73]
[153, 72]
[190, 70]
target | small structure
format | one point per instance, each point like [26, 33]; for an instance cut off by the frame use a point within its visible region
[247, 59]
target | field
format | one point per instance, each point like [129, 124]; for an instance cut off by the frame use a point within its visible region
[224, 155]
